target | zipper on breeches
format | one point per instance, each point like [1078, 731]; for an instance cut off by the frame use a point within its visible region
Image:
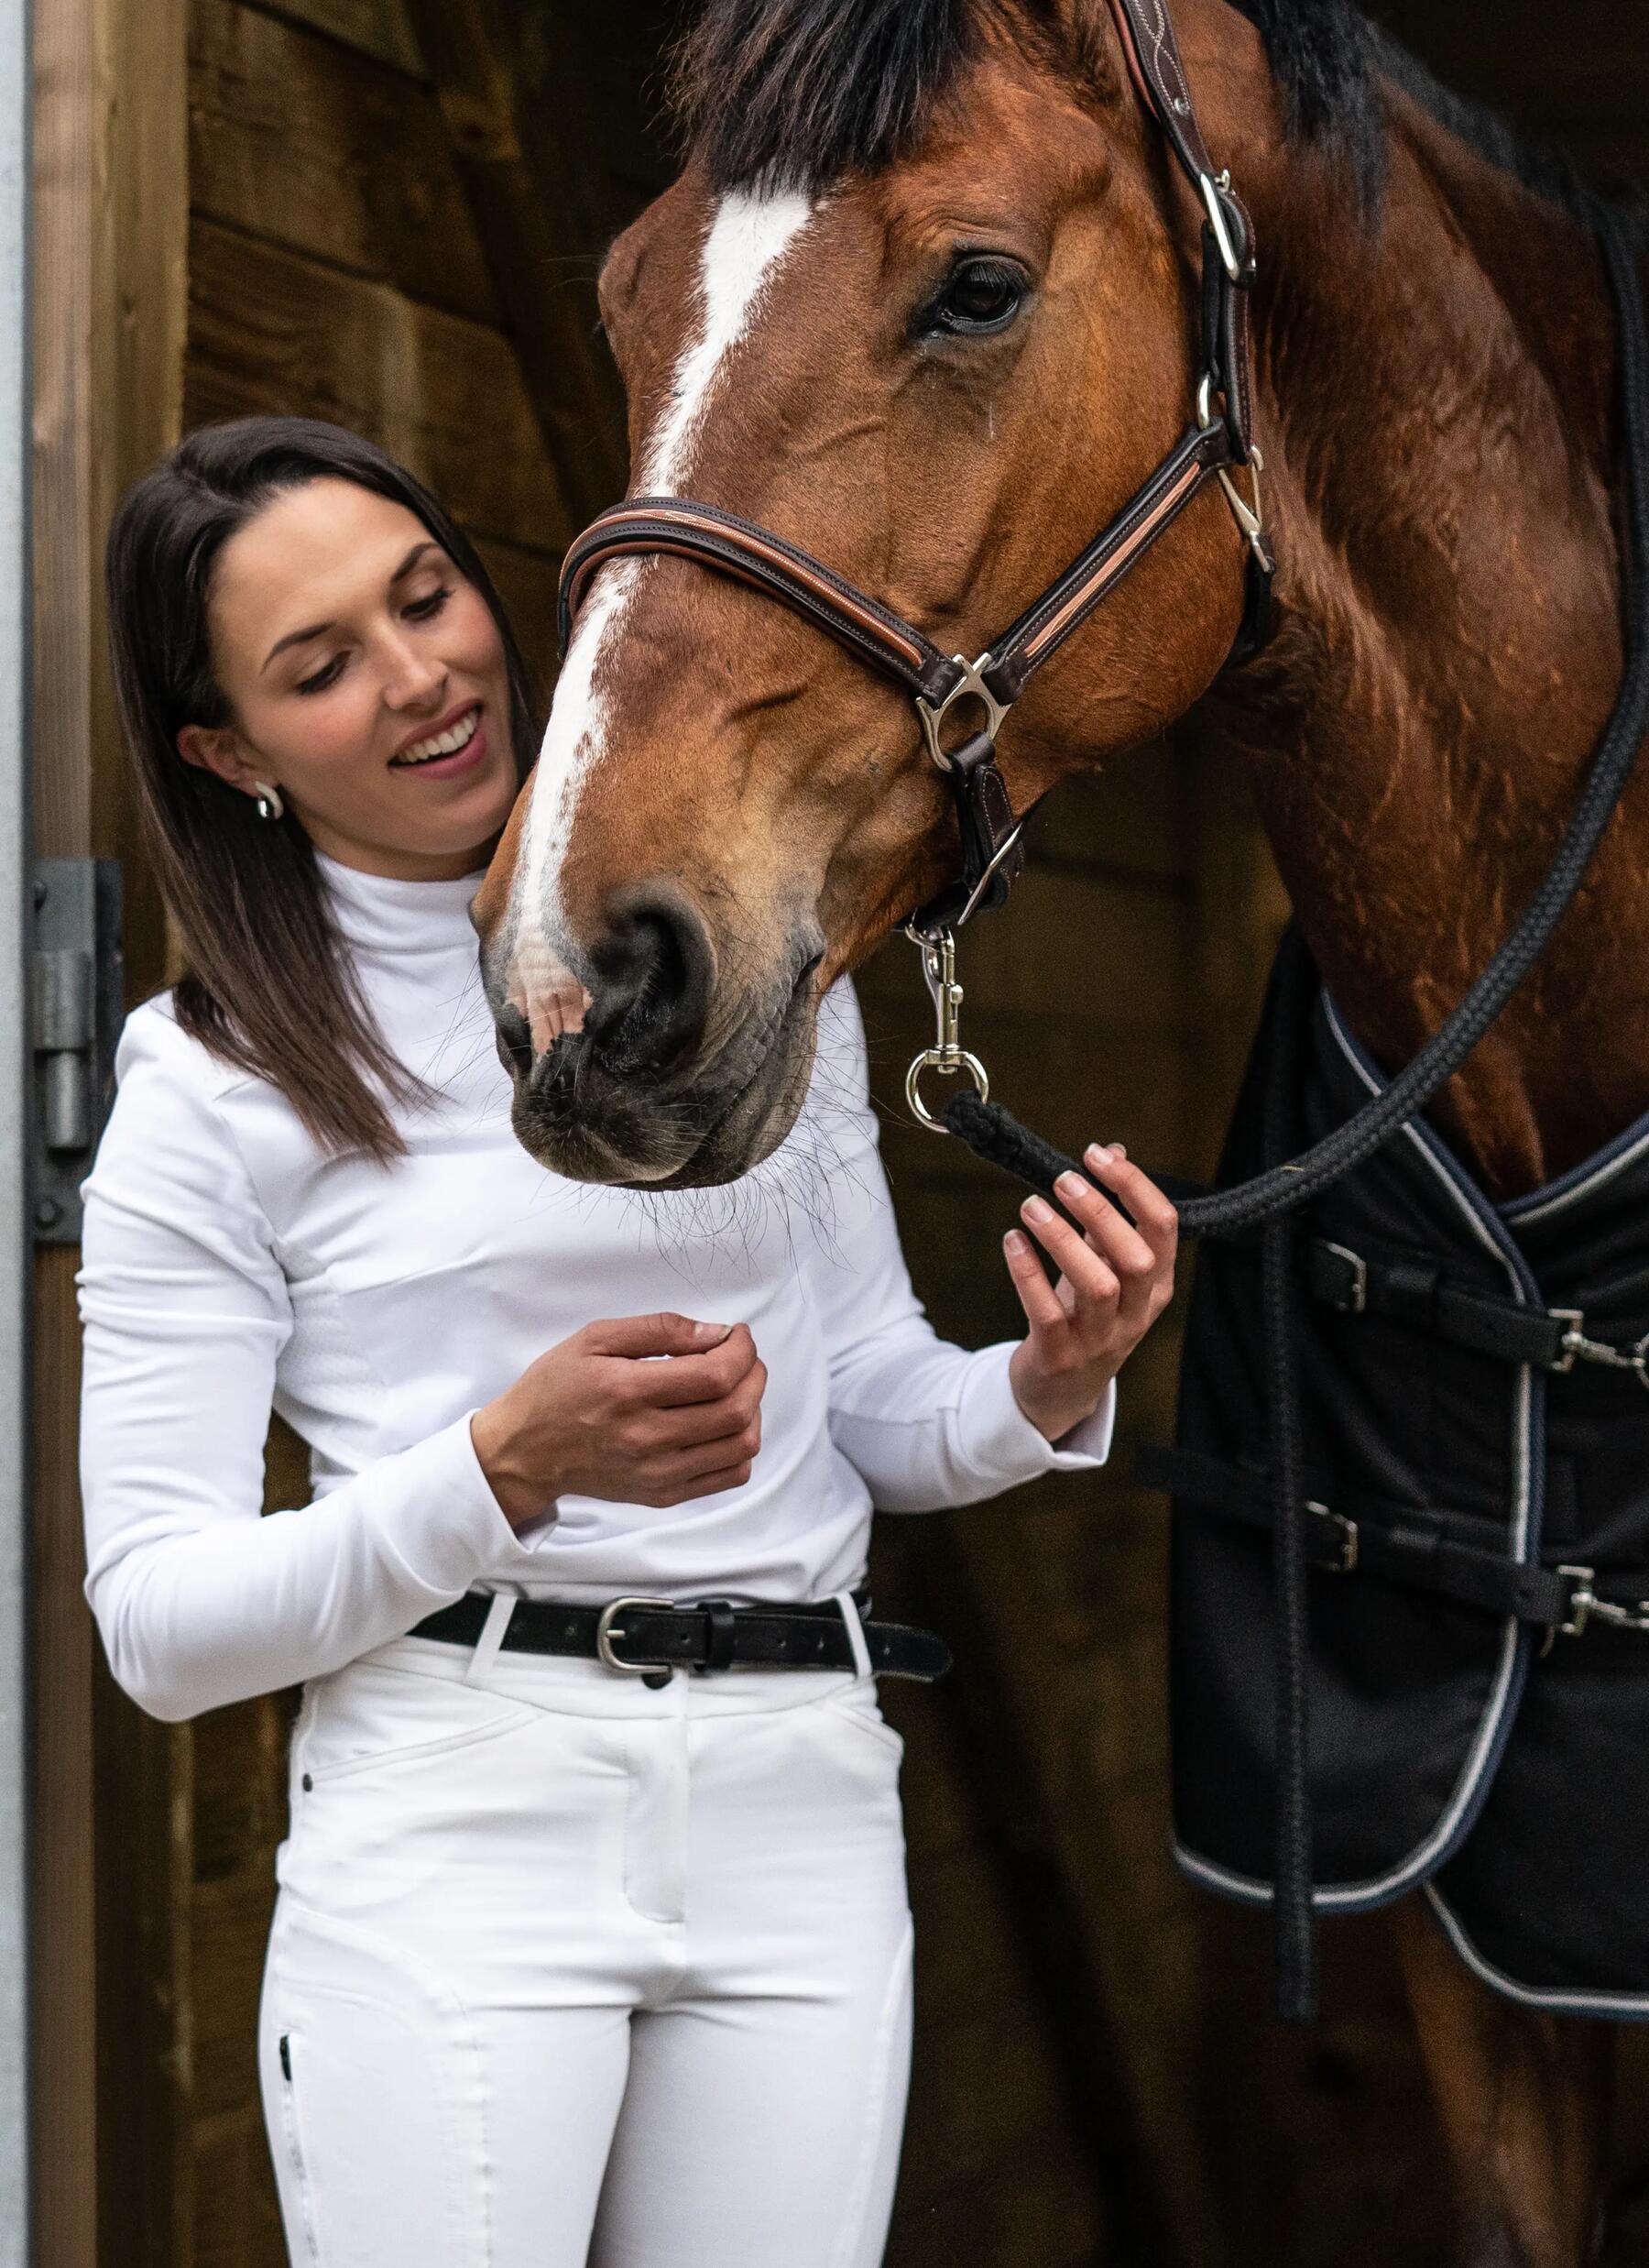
[294, 2146]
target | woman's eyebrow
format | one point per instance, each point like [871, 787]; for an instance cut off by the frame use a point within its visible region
[319, 629]
[294, 638]
[412, 558]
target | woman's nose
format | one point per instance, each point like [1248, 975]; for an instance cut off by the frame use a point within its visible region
[414, 679]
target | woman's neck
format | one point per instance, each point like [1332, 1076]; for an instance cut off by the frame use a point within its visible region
[393, 862]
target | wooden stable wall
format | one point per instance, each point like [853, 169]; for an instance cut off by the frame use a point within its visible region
[392, 210]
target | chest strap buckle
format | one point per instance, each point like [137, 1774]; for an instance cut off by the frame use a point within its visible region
[1577, 1346]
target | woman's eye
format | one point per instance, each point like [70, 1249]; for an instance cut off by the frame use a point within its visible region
[980, 295]
[328, 675]
[424, 610]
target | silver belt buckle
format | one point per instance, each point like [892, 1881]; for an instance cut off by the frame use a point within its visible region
[605, 1635]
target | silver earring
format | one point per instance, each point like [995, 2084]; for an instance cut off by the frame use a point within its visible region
[270, 804]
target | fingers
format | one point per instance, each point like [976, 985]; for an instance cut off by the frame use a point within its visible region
[1154, 1217]
[1125, 1249]
[697, 1378]
[1143, 1256]
[700, 1472]
[706, 1484]
[638, 1336]
[1089, 1275]
[686, 1425]
[1111, 1273]
[1037, 1295]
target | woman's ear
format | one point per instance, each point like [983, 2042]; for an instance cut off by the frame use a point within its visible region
[216, 749]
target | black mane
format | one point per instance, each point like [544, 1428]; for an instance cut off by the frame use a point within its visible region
[793, 94]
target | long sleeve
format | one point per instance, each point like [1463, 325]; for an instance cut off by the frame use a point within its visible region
[200, 1600]
[926, 1423]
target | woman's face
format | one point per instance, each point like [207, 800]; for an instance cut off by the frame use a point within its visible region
[365, 679]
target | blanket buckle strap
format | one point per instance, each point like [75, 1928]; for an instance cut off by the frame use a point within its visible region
[1585, 1605]
[1577, 1346]
[1347, 1531]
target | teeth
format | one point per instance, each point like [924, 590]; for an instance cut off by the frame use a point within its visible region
[445, 743]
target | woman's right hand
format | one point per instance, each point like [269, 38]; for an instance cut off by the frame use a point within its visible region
[599, 1416]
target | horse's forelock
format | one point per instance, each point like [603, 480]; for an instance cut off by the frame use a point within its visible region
[794, 93]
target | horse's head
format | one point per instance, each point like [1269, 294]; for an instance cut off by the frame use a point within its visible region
[939, 360]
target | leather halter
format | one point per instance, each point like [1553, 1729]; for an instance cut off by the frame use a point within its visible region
[1219, 435]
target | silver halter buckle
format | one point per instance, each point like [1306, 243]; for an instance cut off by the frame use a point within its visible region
[970, 686]
[1250, 518]
[1211, 185]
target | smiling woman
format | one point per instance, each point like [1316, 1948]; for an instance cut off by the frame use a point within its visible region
[404, 664]
[567, 1944]
[294, 615]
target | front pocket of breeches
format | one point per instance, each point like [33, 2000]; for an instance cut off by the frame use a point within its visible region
[372, 1713]
[858, 1708]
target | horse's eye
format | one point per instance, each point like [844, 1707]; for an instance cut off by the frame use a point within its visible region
[979, 295]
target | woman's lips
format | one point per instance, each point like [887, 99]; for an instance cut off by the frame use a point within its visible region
[462, 760]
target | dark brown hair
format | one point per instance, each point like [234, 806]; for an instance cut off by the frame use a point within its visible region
[266, 985]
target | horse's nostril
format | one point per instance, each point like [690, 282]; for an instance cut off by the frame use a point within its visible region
[514, 1040]
[654, 972]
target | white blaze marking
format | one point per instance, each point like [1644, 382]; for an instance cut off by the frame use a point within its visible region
[746, 239]
[744, 244]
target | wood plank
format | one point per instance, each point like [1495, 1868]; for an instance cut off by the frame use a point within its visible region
[380, 28]
[237, 2218]
[321, 149]
[1022, 2213]
[231, 1926]
[527, 213]
[1133, 816]
[1113, 956]
[110, 193]
[271, 331]
[610, 144]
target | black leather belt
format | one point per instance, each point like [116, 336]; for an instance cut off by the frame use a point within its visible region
[652, 1636]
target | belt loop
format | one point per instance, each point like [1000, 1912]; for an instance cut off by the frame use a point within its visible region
[856, 1635]
[485, 1651]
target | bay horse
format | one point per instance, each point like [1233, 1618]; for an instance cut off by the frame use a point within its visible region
[922, 301]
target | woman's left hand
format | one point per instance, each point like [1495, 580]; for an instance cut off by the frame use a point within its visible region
[1114, 1283]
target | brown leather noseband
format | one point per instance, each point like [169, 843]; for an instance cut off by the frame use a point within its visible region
[1219, 436]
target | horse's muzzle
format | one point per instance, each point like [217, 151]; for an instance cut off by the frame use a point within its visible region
[662, 1084]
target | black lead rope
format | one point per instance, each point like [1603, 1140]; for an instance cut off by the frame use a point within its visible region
[1293, 1936]
[1281, 1189]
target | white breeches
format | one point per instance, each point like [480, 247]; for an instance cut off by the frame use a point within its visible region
[566, 1969]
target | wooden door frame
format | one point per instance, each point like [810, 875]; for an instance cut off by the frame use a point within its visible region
[17, 2121]
[109, 1824]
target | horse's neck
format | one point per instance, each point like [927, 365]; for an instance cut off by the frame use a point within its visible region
[1436, 418]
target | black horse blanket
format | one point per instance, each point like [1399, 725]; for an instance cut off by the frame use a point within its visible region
[1478, 1536]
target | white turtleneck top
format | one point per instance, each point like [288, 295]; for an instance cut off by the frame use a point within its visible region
[231, 1267]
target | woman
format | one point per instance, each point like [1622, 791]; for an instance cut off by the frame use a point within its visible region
[567, 1962]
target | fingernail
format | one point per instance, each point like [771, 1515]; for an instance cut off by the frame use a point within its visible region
[711, 1334]
[1036, 1211]
[1119, 1149]
[1097, 1155]
[1071, 1186]
[1014, 1243]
